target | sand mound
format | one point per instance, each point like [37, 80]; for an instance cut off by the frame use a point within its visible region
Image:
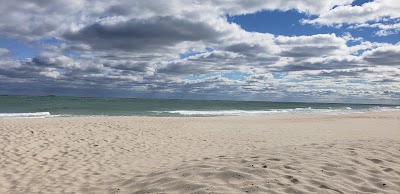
[334, 168]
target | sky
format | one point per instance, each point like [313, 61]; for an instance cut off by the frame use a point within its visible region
[281, 50]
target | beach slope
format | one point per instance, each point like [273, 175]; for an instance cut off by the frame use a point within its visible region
[349, 153]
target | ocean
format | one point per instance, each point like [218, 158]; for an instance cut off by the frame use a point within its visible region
[55, 106]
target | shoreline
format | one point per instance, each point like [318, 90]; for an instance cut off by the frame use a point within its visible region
[49, 115]
[291, 153]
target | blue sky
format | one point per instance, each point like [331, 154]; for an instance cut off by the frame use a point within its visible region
[326, 51]
[288, 23]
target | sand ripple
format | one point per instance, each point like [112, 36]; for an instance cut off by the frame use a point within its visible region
[301, 169]
[357, 153]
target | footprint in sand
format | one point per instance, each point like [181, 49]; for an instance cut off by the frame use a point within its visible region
[376, 161]
[288, 167]
[275, 159]
[326, 187]
[292, 179]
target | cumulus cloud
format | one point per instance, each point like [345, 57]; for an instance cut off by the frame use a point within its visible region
[385, 55]
[48, 18]
[352, 73]
[318, 39]
[144, 35]
[4, 51]
[371, 11]
[211, 62]
[326, 63]
[309, 51]
[247, 6]
[136, 47]
[384, 29]
[381, 14]
[35, 19]
[311, 46]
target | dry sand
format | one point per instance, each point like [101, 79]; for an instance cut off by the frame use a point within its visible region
[353, 153]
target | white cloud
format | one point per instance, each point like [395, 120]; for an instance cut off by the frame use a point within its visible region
[238, 7]
[318, 39]
[4, 51]
[384, 29]
[318, 45]
[375, 11]
[32, 20]
[371, 11]
[50, 74]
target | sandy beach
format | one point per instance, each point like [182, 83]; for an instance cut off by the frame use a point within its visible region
[349, 153]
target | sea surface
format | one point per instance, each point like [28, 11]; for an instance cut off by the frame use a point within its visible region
[54, 106]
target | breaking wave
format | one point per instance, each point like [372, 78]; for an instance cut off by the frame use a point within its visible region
[26, 115]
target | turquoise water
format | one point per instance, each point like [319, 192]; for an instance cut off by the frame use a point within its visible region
[31, 106]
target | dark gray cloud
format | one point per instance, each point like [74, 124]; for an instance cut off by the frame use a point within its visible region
[203, 63]
[341, 73]
[328, 63]
[216, 62]
[15, 69]
[309, 51]
[144, 35]
[46, 62]
[384, 56]
[247, 49]
[388, 81]
[177, 68]
[130, 66]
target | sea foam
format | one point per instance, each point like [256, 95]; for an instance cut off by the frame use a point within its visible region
[26, 115]
[309, 110]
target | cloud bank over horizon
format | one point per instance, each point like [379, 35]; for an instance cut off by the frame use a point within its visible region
[338, 51]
